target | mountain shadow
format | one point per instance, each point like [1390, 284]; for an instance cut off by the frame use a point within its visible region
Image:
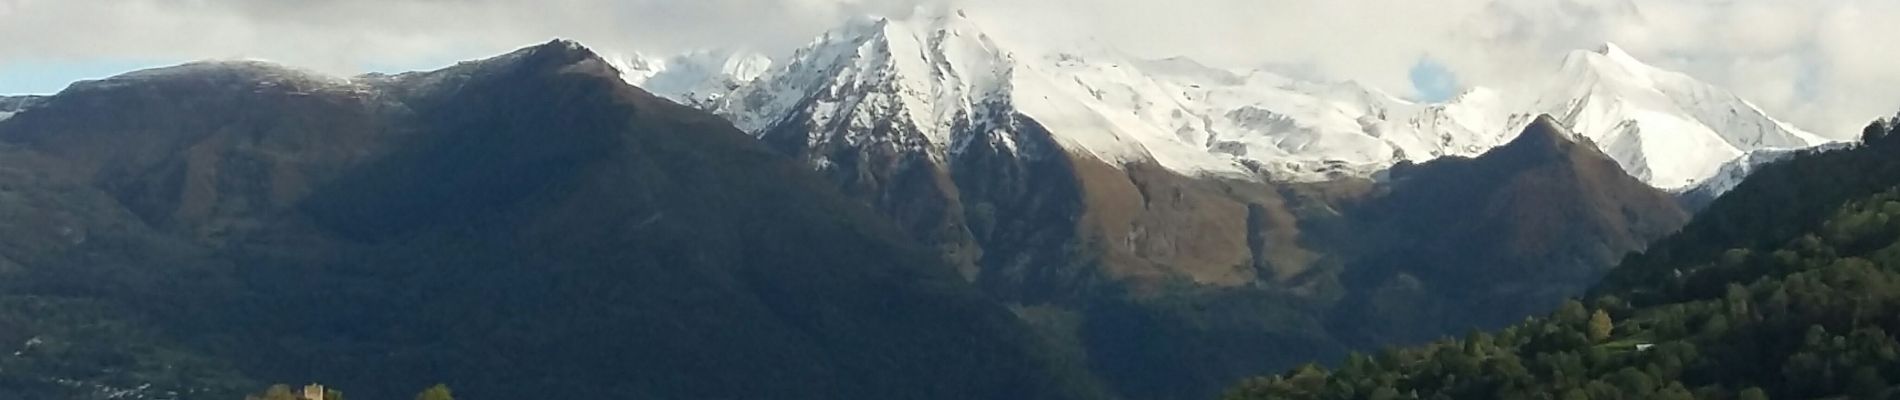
[521, 227]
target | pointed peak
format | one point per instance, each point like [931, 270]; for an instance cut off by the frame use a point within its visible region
[918, 26]
[1617, 54]
[1550, 125]
[556, 53]
[567, 43]
[936, 12]
[567, 48]
[856, 29]
[1612, 50]
[1547, 121]
[921, 19]
[1544, 131]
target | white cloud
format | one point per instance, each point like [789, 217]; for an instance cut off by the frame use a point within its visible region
[1821, 64]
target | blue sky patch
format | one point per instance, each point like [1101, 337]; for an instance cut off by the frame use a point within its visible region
[1433, 81]
[48, 77]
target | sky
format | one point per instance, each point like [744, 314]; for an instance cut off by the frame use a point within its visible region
[1823, 65]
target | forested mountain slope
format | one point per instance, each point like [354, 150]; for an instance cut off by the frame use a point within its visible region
[1788, 287]
[527, 226]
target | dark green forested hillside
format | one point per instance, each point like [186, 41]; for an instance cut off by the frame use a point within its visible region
[1786, 288]
[526, 227]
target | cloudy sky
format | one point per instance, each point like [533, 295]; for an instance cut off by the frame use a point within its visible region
[1821, 64]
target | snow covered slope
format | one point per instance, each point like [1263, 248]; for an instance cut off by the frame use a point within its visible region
[697, 78]
[928, 83]
[1732, 173]
[1664, 127]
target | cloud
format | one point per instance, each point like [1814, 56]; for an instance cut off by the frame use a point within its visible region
[1818, 63]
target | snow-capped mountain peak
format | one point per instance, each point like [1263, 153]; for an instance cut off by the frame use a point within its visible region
[1665, 127]
[1616, 54]
[696, 78]
[931, 82]
[926, 75]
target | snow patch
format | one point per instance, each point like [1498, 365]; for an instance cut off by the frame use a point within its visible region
[1735, 171]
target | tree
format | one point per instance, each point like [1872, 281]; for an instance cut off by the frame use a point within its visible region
[1575, 394]
[1675, 391]
[1601, 326]
[275, 392]
[1634, 382]
[437, 392]
[1384, 393]
[1716, 326]
[1866, 383]
[1571, 312]
[1874, 132]
[1753, 393]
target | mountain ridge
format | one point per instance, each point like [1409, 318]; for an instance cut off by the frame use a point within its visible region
[1784, 288]
[1099, 241]
[1078, 189]
[1525, 224]
[522, 226]
[1197, 120]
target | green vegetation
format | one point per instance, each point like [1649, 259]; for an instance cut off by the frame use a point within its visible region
[284, 392]
[437, 392]
[522, 228]
[1788, 288]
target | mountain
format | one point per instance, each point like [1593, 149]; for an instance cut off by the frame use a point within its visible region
[902, 208]
[1664, 127]
[1458, 243]
[1500, 236]
[527, 226]
[697, 79]
[1737, 171]
[1439, 248]
[939, 69]
[1783, 288]
[1171, 223]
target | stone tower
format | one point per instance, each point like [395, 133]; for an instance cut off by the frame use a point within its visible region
[313, 392]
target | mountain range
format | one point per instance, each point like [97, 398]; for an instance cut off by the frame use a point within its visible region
[1784, 288]
[1083, 185]
[939, 71]
[903, 208]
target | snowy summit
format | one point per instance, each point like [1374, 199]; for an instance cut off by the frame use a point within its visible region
[929, 83]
